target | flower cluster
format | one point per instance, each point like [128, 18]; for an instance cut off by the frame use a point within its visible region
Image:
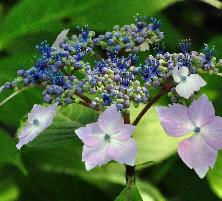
[64, 71]
[131, 38]
[109, 73]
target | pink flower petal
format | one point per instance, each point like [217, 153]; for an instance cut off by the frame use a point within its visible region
[197, 155]
[212, 133]
[44, 115]
[125, 132]
[201, 111]
[27, 134]
[95, 156]
[175, 120]
[39, 119]
[91, 134]
[110, 121]
[123, 152]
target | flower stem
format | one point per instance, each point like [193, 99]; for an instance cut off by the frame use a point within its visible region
[88, 105]
[86, 101]
[12, 95]
[165, 89]
[83, 97]
[130, 170]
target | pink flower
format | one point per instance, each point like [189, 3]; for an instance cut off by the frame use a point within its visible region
[108, 139]
[198, 152]
[39, 119]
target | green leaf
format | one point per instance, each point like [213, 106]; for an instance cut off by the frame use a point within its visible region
[40, 13]
[152, 142]
[9, 187]
[129, 194]
[108, 13]
[47, 15]
[9, 153]
[215, 176]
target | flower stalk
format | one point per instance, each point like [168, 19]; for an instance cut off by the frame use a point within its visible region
[130, 170]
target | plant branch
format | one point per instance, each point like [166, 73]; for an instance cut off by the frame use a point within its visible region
[86, 101]
[88, 105]
[130, 170]
[166, 88]
[12, 95]
[83, 97]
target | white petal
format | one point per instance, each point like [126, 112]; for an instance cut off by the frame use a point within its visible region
[60, 38]
[184, 71]
[197, 81]
[179, 73]
[193, 83]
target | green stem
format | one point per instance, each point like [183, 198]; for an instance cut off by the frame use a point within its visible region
[12, 95]
[165, 89]
[130, 170]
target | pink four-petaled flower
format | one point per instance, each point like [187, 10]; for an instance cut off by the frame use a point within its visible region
[199, 152]
[108, 139]
[39, 119]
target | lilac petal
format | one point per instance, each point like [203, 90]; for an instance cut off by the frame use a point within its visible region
[60, 38]
[201, 111]
[95, 156]
[125, 132]
[110, 121]
[192, 83]
[91, 134]
[212, 133]
[43, 117]
[29, 133]
[197, 155]
[123, 152]
[175, 120]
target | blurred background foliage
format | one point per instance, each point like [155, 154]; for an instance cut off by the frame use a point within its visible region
[50, 168]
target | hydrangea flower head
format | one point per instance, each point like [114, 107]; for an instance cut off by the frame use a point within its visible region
[187, 84]
[39, 119]
[198, 152]
[107, 139]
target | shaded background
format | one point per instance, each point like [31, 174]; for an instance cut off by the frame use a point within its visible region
[54, 171]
